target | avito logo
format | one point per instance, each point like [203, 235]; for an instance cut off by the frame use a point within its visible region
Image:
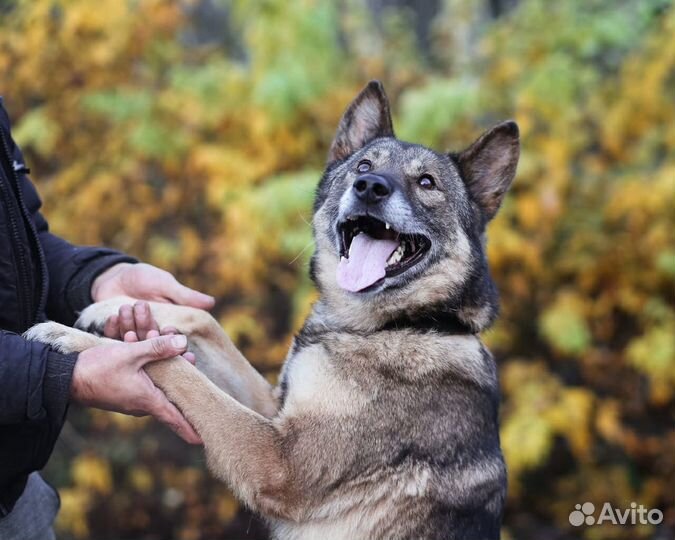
[636, 514]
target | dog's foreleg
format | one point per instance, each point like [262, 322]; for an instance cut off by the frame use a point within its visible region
[228, 369]
[63, 339]
[217, 357]
[243, 447]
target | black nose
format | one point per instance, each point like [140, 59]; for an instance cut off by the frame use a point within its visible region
[372, 188]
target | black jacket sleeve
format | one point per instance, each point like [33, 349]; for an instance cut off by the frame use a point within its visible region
[39, 379]
[34, 392]
[72, 269]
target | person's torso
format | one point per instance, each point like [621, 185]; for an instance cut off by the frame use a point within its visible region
[21, 264]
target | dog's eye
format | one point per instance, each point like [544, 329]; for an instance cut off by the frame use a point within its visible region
[426, 181]
[364, 166]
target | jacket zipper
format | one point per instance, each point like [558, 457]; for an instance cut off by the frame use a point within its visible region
[22, 268]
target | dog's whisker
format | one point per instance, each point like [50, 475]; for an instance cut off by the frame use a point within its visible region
[309, 244]
[303, 218]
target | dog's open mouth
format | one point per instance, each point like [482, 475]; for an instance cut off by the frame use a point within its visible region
[371, 250]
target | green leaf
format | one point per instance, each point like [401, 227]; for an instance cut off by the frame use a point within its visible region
[564, 326]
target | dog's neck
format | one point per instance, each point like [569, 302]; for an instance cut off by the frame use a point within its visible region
[325, 318]
[443, 323]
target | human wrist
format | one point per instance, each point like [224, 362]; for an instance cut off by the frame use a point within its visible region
[81, 390]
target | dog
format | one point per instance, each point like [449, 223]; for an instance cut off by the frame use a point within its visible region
[385, 422]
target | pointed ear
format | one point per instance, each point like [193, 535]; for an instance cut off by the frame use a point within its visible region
[489, 165]
[367, 118]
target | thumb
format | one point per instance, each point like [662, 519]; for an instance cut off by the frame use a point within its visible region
[185, 296]
[159, 348]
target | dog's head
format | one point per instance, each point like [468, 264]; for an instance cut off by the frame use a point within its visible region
[400, 228]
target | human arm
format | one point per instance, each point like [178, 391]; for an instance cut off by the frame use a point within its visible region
[79, 275]
[70, 270]
[34, 380]
[34, 394]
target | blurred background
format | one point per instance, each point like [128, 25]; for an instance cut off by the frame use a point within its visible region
[192, 134]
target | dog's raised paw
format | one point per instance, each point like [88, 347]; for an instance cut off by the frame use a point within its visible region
[61, 338]
[93, 318]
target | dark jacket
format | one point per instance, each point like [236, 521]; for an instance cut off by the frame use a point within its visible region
[41, 276]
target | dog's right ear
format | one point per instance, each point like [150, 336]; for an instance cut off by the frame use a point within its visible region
[367, 118]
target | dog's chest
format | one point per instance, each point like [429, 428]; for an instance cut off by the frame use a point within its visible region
[343, 372]
[312, 383]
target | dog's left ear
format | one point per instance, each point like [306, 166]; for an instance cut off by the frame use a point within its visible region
[488, 166]
[367, 118]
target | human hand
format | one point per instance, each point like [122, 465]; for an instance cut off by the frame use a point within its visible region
[111, 377]
[146, 282]
[136, 323]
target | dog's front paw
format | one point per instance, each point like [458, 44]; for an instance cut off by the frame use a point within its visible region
[61, 338]
[93, 318]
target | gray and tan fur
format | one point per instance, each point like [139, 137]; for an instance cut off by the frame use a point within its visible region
[384, 424]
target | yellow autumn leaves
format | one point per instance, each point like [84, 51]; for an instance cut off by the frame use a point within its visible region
[197, 147]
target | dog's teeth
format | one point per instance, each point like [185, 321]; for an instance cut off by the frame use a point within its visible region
[342, 258]
[396, 256]
[352, 218]
[387, 226]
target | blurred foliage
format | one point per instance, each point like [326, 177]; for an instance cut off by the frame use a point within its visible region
[192, 135]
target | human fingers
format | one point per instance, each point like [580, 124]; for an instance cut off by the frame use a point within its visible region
[185, 296]
[171, 330]
[143, 319]
[174, 291]
[158, 348]
[126, 319]
[111, 328]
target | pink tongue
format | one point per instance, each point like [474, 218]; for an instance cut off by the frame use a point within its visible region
[366, 263]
